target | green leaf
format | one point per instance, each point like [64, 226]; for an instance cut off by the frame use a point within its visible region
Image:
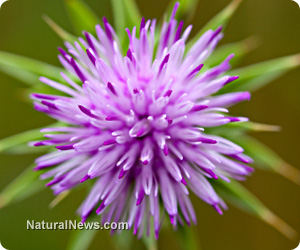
[266, 158]
[240, 197]
[30, 66]
[253, 126]
[126, 15]
[11, 142]
[40, 88]
[119, 18]
[25, 149]
[22, 75]
[150, 241]
[59, 198]
[235, 129]
[133, 15]
[64, 35]
[185, 11]
[221, 19]
[258, 75]
[239, 49]
[24, 186]
[82, 17]
[81, 239]
[123, 240]
[187, 239]
[17, 142]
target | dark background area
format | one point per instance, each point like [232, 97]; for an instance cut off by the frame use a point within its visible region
[275, 22]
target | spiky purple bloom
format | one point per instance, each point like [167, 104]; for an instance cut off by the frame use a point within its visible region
[136, 125]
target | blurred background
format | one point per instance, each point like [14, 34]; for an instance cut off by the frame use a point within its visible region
[275, 22]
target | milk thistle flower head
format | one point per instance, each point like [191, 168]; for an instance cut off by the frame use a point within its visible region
[136, 125]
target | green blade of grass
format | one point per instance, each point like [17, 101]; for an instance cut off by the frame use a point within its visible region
[187, 239]
[21, 75]
[185, 11]
[13, 142]
[9, 143]
[263, 156]
[256, 76]
[239, 49]
[253, 126]
[133, 15]
[119, 18]
[81, 239]
[239, 196]
[22, 187]
[59, 198]
[81, 16]
[149, 241]
[32, 66]
[221, 19]
[123, 240]
[64, 35]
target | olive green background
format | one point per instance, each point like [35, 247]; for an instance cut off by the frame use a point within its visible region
[275, 22]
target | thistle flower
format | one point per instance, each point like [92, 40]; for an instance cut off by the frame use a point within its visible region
[135, 125]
